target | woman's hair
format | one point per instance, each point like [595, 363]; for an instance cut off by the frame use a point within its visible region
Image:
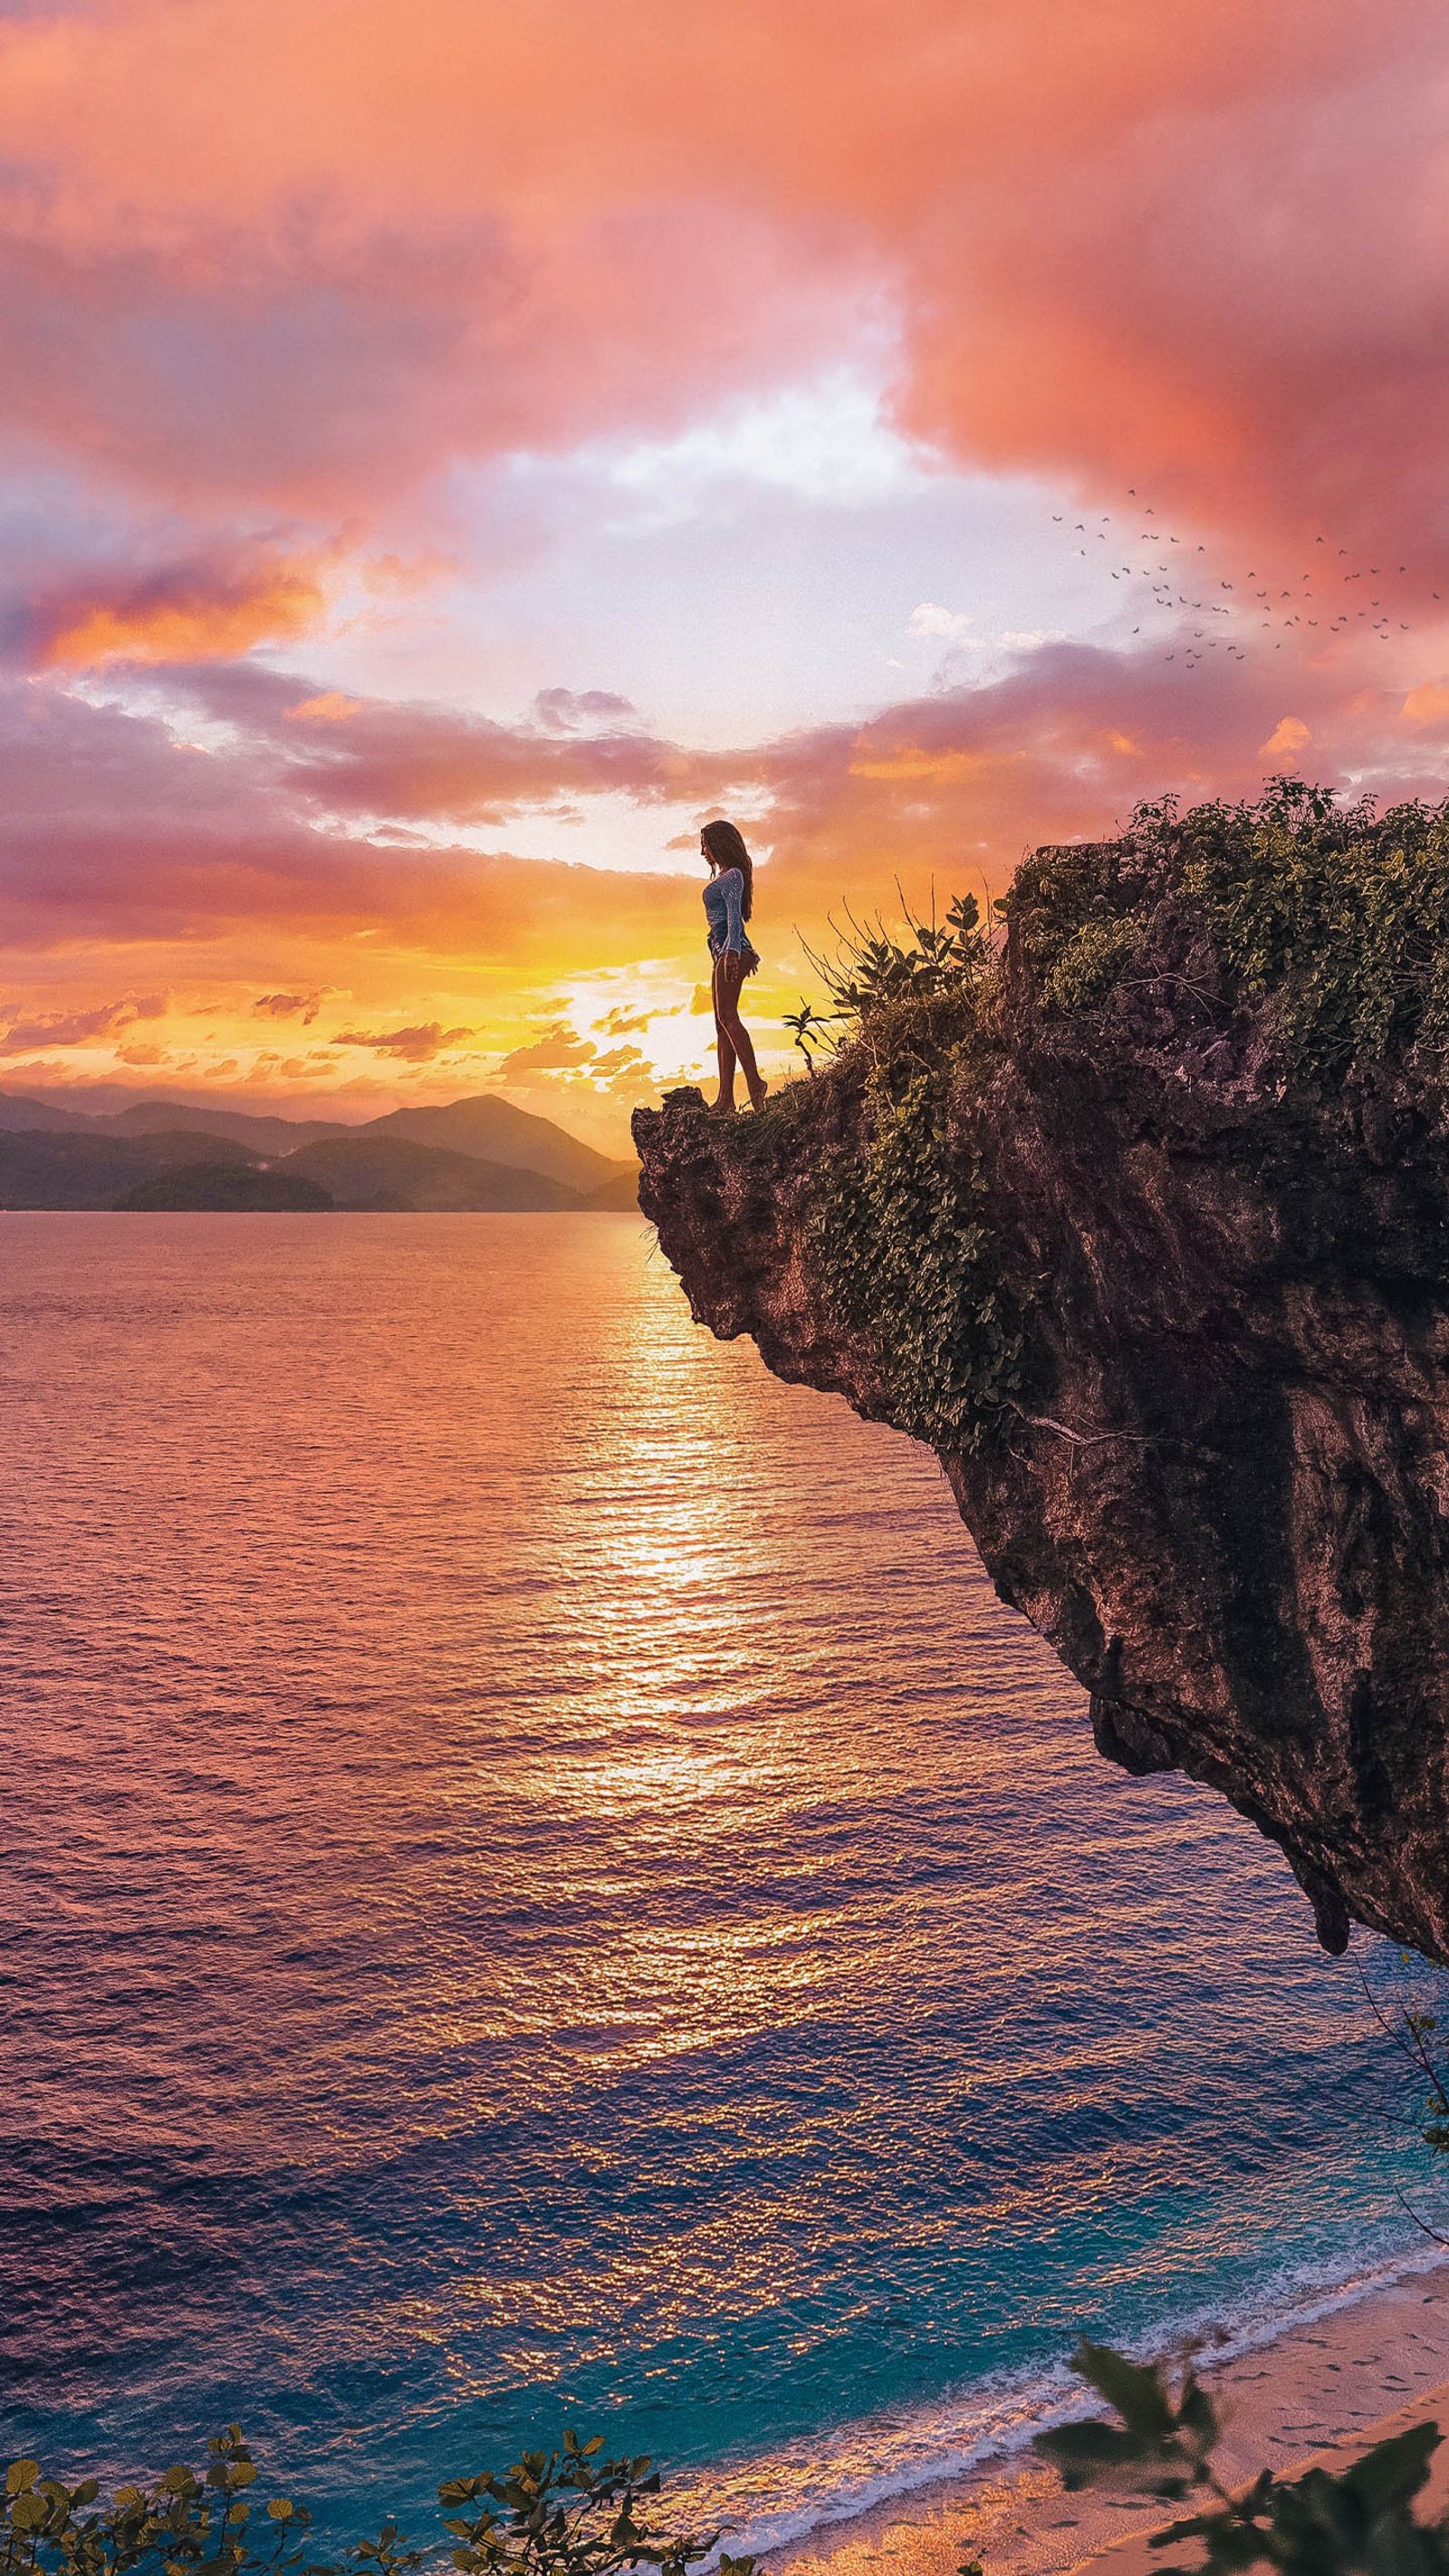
[727, 849]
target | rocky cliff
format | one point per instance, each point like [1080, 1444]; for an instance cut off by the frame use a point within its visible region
[1143, 1222]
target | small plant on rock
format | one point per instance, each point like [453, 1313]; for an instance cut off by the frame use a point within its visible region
[873, 965]
[808, 1027]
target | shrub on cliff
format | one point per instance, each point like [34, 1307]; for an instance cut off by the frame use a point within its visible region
[565, 2512]
[1330, 922]
[896, 1242]
[1342, 918]
[1292, 944]
[873, 966]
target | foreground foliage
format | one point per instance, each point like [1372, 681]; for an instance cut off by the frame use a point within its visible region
[570, 2512]
[567, 2512]
[1353, 2522]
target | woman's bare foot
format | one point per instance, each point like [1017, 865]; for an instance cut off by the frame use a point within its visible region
[757, 1096]
[722, 1109]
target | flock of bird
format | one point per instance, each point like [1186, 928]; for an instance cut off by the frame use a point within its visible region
[1175, 583]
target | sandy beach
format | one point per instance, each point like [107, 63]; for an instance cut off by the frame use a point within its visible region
[1330, 2388]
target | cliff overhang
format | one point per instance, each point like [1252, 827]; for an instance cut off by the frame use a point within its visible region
[1149, 1238]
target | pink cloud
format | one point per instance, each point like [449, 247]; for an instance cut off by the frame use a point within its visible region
[1198, 251]
[590, 711]
[110, 836]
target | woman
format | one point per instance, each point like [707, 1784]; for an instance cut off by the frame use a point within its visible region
[728, 902]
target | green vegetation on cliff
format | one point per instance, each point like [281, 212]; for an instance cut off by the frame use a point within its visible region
[898, 1246]
[900, 1249]
[1291, 945]
[1329, 923]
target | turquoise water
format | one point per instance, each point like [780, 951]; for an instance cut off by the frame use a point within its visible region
[540, 1883]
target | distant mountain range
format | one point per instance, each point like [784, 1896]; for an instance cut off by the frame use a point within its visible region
[478, 1153]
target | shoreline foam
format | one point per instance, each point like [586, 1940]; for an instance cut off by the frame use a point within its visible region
[792, 2500]
[1339, 2373]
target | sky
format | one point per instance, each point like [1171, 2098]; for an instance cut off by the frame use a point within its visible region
[449, 451]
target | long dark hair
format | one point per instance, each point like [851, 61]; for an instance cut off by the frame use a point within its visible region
[726, 847]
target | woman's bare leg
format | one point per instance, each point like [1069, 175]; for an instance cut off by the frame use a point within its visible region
[724, 1047]
[725, 1056]
[729, 975]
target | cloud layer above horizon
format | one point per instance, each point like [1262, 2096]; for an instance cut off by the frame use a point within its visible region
[449, 451]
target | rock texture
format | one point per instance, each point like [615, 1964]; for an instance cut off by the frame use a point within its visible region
[1222, 1492]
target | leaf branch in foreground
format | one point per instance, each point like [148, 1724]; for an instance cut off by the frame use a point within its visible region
[566, 2512]
[1352, 2522]
[570, 2513]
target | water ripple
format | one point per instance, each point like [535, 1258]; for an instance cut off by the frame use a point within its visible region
[539, 1878]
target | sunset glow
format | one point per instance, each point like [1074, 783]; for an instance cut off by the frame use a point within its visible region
[451, 451]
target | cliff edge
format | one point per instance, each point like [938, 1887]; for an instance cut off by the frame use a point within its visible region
[1142, 1221]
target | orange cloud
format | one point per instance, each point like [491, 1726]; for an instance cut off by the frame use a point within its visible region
[1288, 737]
[288, 1006]
[1428, 704]
[183, 616]
[559, 1049]
[412, 1046]
[85, 1027]
[942, 768]
[331, 707]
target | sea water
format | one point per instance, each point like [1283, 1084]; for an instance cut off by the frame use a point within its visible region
[541, 1885]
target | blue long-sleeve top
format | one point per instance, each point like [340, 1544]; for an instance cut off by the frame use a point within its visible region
[723, 902]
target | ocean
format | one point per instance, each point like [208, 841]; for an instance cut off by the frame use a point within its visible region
[540, 1885]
